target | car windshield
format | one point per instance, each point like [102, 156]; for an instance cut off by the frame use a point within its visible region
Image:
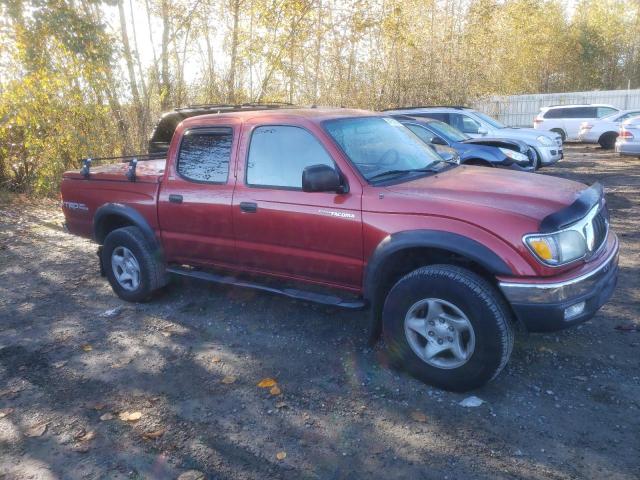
[491, 121]
[380, 145]
[450, 133]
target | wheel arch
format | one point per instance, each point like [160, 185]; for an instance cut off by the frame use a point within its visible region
[403, 252]
[116, 215]
[560, 131]
[480, 162]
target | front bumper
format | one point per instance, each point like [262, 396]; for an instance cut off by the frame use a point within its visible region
[541, 306]
[550, 155]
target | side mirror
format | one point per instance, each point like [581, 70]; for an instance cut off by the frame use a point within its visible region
[438, 141]
[321, 178]
[482, 131]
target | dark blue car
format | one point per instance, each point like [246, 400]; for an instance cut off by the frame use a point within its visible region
[489, 152]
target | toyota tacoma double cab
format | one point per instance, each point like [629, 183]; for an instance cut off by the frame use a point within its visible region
[349, 208]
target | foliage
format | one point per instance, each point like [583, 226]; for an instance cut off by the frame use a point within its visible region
[76, 82]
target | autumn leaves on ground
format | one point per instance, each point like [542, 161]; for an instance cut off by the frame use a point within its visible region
[216, 382]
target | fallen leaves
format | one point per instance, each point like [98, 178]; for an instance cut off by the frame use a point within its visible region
[154, 434]
[216, 360]
[86, 347]
[275, 391]
[191, 475]
[267, 383]
[36, 430]
[282, 405]
[107, 416]
[229, 379]
[271, 384]
[418, 417]
[5, 411]
[84, 436]
[281, 455]
[127, 416]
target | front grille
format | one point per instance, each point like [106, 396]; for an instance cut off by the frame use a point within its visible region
[600, 227]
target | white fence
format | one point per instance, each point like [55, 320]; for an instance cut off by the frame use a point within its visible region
[519, 110]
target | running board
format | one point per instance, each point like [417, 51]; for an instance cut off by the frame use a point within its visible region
[288, 292]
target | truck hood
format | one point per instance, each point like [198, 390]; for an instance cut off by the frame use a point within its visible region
[493, 199]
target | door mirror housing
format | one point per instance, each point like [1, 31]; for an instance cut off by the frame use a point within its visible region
[438, 141]
[321, 178]
[482, 131]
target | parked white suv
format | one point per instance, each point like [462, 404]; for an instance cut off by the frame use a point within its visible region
[604, 130]
[546, 145]
[566, 119]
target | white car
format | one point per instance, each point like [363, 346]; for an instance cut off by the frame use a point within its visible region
[604, 130]
[566, 119]
[628, 142]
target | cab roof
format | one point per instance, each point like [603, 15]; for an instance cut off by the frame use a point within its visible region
[313, 114]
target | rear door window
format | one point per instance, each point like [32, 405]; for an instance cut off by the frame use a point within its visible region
[204, 155]
[278, 154]
[604, 111]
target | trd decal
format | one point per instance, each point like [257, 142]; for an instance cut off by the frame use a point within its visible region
[75, 206]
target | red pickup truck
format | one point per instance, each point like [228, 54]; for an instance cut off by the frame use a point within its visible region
[349, 208]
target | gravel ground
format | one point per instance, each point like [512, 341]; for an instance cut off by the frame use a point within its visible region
[74, 379]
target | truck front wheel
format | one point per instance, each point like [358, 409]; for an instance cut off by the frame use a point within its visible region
[448, 327]
[132, 267]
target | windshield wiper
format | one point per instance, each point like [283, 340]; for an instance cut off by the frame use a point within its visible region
[410, 170]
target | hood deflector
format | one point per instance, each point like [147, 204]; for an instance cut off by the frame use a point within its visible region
[586, 200]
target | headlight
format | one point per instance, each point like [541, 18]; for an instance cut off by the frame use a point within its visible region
[546, 141]
[513, 155]
[557, 248]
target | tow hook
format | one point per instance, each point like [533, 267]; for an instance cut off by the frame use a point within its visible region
[99, 253]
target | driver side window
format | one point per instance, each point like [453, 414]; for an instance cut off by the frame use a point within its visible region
[278, 154]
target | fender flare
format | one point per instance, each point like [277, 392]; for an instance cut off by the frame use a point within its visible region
[130, 214]
[442, 240]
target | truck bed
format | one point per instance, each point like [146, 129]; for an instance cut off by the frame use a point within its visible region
[147, 171]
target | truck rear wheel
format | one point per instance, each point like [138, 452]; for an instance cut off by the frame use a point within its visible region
[133, 268]
[448, 327]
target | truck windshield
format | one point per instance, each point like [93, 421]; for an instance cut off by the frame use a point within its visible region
[381, 145]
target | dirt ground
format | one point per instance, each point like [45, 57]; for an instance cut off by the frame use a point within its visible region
[74, 379]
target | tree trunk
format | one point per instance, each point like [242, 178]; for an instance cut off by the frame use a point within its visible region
[231, 85]
[132, 75]
[165, 90]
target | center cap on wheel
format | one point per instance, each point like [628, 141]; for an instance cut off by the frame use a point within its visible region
[439, 333]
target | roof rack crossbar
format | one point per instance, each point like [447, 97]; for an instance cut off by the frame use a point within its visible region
[417, 107]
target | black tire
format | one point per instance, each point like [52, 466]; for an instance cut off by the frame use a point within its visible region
[537, 164]
[484, 308]
[560, 132]
[608, 140]
[152, 271]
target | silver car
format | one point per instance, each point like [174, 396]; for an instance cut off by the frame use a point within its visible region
[547, 145]
[628, 142]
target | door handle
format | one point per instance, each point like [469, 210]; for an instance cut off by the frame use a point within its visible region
[173, 198]
[249, 207]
